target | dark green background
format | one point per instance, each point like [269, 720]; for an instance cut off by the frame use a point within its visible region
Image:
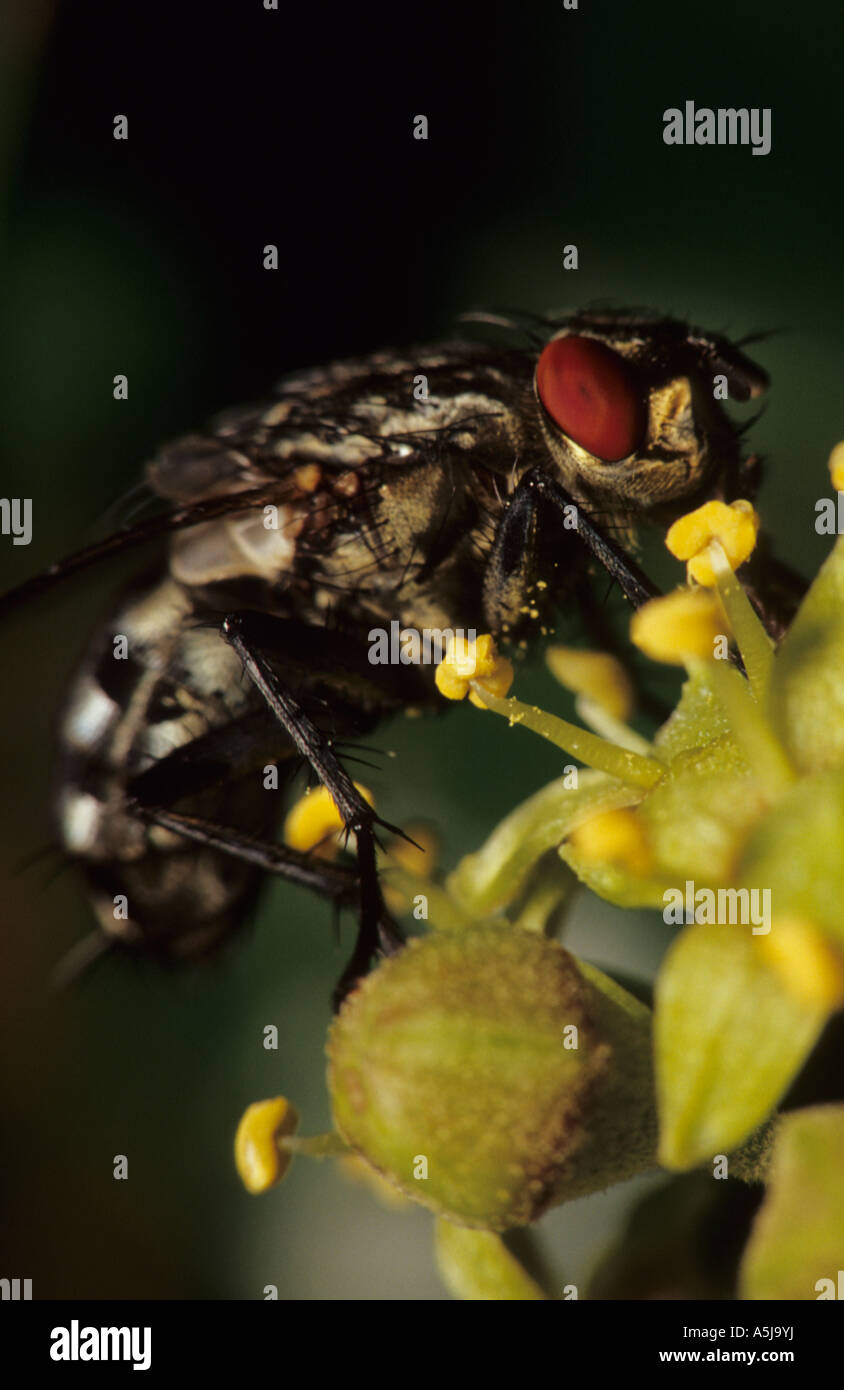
[249, 127]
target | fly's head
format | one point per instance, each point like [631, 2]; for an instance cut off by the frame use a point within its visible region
[631, 411]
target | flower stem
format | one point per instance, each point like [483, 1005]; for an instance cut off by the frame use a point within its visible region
[629, 767]
[755, 645]
[330, 1145]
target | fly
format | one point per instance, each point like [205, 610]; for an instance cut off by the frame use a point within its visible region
[433, 488]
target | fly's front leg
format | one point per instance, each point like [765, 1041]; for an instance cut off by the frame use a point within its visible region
[524, 535]
[634, 583]
[251, 635]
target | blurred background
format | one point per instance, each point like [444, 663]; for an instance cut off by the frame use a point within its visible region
[246, 127]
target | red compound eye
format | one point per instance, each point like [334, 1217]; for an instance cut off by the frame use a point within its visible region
[589, 392]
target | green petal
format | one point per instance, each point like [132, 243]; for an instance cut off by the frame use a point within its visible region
[728, 1042]
[806, 697]
[614, 884]
[477, 1265]
[700, 814]
[489, 879]
[796, 852]
[550, 889]
[797, 1242]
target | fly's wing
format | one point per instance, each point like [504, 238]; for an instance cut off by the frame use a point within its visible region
[352, 481]
[328, 421]
[322, 449]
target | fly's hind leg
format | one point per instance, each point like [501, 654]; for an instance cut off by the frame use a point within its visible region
[251, 635]
[335, 881]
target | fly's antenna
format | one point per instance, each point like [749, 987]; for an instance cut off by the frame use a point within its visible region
[515, 321]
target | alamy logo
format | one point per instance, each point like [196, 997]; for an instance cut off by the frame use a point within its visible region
[724, 907]
[77, 1343]
[412, 647]
[16, 519]
[724, 126]
[829, 520]
[11, 1288]
[828, 1288]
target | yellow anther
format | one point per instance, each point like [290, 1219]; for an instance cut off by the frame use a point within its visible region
[449, 684]
[498, 682]
[259, 1161]
[679, 625]
[472, 659]
[808, 963]
[596, 675]
[734, 528]
[478, 661]
[617, 838]
[836, 467]
[314, 820]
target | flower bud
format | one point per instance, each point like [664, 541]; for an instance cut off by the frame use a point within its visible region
[490, 1076]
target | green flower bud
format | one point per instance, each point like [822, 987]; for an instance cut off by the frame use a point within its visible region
[490, 1076]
